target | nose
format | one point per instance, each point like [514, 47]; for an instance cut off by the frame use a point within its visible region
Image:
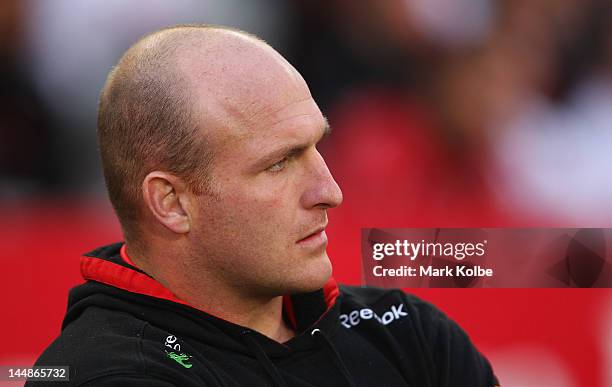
[322, 190]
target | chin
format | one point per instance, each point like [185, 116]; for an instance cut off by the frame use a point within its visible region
[314, 276]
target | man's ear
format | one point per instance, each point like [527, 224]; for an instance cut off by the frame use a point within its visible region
[164, 196]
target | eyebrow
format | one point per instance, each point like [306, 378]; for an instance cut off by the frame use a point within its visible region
[292, 150]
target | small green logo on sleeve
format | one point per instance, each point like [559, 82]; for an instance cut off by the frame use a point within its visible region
[177, 355]
[180, 358]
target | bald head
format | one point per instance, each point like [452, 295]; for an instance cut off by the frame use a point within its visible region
[234, 78]
[173, 96]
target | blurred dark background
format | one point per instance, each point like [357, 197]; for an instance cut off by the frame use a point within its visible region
[445, 113]
[480, 110]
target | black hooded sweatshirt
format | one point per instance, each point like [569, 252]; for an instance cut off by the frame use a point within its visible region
[124, 328]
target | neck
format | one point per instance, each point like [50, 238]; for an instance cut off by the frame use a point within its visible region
[261, 314]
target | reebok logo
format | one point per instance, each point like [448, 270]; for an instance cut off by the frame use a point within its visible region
[353, 318]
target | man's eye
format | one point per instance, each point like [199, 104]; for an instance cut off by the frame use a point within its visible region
[278, 166]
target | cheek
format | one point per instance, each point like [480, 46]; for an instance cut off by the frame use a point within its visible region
[257, 214]
[257, 220]
[269, 199]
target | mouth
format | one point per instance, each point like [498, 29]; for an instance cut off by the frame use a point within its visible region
[315, 237]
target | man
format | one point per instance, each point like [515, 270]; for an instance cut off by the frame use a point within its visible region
[208, 141]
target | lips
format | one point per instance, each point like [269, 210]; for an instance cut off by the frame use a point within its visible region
[313, 233]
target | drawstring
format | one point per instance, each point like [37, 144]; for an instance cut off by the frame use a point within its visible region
[335, 355]
[263, 359]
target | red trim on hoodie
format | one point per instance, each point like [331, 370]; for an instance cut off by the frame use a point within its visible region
[331, 292]
[100, 270]
[124, 255]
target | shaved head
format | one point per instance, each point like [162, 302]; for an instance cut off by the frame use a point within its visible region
[172, 98]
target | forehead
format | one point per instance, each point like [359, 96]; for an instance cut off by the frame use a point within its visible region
[298, 124]
[249, 98]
